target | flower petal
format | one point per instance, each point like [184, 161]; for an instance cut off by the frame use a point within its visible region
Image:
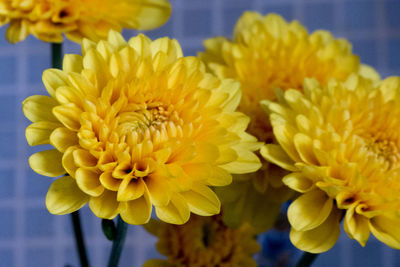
[69, 115]
[384, 228]
[64, 196]
[38, 133]
[299, 182]
[131, 189]
[39, 108]
[275, 154]
[62, 138]
[89, 182]
[176, 212]
[105, 206]
[356, 225]
[136, 211]
[202, 200]
[72, 63]
[309, 210]
[47, 163]
[319, 239]
[54, 78]
[159, 189]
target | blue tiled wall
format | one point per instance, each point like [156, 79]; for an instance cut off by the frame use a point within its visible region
[30, 236]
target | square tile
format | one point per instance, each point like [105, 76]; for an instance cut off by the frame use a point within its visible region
[394, 53]
[319, 16]
[7, 224]
[284, 10]
[367, 50]
[7, 181]
[360, 15]
[8, 107]
[8, 144]
[39, 257]
[37, 63]
[392, 10]
[197, 22]
[40, 223]
[7, 257]
[36, 185]
[8, 70]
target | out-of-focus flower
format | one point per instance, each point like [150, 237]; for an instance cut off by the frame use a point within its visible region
[137, 125]
[341, 143]
[48, 20]
[203, 241]
[266, 53]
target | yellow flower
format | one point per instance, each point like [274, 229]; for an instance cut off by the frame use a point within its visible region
[137, 125]
[341, 143]
[48, 20]
[203, 241]
[265, 53]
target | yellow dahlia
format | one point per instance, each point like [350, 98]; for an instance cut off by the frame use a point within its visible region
[48, 20]
[265, 53]
[341, 143]
[135, 125]
[203, 241]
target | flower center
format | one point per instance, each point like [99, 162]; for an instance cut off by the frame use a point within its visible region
[386, 152]
[146, 119]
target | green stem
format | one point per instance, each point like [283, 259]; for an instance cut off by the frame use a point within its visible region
[118, 243]
[80, 242]
[56, 55]
[307, 259]
[56, 62]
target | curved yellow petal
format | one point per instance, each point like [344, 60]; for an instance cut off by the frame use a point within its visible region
[356, 226]
[38, 108]
[319, 239]
[159, 189]
[64, 196]
[298, 181]
[275, 154]
[47, 163]
[136, 211]
[176, 212]
[149, 14]
[131, 189]
[157, 263]
[246, 162]
[54, 78]
[38, 133]
[105, 206]
[385, 229]
[62, 138]
[202, 200]
[89, 182]
[309, 210]
[72, 63]
[69, 115]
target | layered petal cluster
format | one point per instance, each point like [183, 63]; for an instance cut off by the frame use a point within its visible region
[48, 20]
[266, 53]
[341, 143]
[203, 241]
[136, 125]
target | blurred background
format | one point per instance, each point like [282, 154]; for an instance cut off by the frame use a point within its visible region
[31, 237]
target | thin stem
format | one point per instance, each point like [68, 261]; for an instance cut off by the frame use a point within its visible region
[80, 242]
[56, 62]
[306, 259]
[118, 243]
[56, 55]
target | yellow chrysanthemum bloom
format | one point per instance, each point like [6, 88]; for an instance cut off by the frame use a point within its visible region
[135, 125]
[48, 20]
[265, 53]
[341, 143]
[203, 241]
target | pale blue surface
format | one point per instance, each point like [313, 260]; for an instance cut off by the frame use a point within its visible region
[30, 237]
